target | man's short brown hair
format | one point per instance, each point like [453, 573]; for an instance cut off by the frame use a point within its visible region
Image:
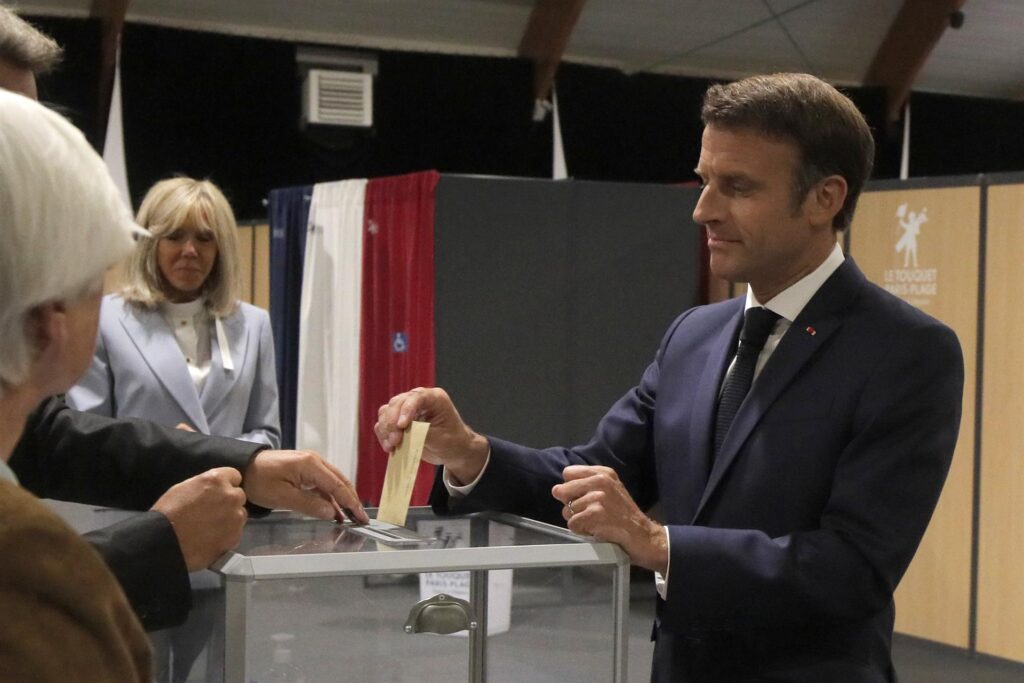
[828, 130]
[25, 46]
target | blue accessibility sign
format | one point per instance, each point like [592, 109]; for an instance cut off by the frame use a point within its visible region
[399, 342]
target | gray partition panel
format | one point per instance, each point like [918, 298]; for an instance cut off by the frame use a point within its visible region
[552, 297]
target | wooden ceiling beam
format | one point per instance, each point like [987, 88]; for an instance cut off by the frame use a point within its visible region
[111, 14]
[545, 39]
[913, 34]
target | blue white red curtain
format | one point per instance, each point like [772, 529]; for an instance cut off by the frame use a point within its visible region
[366, 323]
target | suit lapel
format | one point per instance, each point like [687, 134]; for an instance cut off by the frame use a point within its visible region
[820, 319]
[156, 344]
[219, 382]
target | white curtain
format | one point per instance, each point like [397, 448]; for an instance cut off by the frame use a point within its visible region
[327, 409]
[113, 146]
[559, 171]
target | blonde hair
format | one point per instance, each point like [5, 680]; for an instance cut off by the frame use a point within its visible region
[62, 223]
[167, 206]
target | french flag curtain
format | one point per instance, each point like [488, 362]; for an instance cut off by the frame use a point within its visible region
[367, 318]
[397, 335]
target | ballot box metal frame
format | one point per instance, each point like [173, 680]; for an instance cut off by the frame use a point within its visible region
[567, 549]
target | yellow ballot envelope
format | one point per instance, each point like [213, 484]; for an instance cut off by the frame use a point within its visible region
[400, 477]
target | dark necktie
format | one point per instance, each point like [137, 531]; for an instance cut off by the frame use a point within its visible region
[757, 325]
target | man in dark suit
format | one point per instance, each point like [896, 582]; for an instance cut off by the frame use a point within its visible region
[790, 519]
[186, 482]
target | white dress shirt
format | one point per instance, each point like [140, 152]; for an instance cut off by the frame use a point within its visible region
[788, 304]
[190, 323]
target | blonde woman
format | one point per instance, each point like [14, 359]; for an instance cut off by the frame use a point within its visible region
[176, 346]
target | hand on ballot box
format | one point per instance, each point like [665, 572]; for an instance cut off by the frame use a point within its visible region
[304, 482]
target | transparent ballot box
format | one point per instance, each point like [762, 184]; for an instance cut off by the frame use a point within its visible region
[480, 597]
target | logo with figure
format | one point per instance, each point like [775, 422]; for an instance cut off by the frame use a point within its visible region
[399, 342]
[911, 282]
[910, 223]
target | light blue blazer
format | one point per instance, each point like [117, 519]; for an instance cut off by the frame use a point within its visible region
[139, 371]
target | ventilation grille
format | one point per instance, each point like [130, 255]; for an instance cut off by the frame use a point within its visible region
[338, 98]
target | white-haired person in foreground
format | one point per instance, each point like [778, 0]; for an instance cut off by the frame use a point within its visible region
[62, 225]
[176, 479]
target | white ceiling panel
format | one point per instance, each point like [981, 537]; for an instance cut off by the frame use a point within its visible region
[839, 38]
[728, 58]
[650, 35]
[467, 26]
[985, 57]
[714, 38]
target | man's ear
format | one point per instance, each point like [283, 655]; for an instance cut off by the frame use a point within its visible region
[48, 328]
[826, 199]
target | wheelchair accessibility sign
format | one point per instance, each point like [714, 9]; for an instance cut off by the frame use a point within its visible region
[399, 342]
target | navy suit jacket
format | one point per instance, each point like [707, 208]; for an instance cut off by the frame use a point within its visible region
[785, 550]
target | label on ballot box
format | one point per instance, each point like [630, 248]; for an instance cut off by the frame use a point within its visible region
[454, 533]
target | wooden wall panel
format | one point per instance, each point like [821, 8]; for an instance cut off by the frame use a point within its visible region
[261, 266]
[933, 600]
[245, 264]
[1001, 534]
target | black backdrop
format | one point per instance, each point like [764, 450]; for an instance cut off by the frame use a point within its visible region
[227, 107]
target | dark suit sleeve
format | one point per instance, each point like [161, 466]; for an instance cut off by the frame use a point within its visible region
[144, 555]
[80, 457]
[620, 442]
[84, 458]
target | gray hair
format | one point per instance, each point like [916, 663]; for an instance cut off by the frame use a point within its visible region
[25, 46]
[167, 206]
[62, 223]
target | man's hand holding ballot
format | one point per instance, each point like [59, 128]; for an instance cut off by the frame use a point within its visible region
[595, 503]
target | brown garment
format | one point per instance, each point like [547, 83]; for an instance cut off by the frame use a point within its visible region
[63, 616]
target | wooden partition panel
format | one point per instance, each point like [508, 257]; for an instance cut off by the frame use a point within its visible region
[922, 245]
[254, 262]
[261, 266]
[245, 249]
[1001, 533]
